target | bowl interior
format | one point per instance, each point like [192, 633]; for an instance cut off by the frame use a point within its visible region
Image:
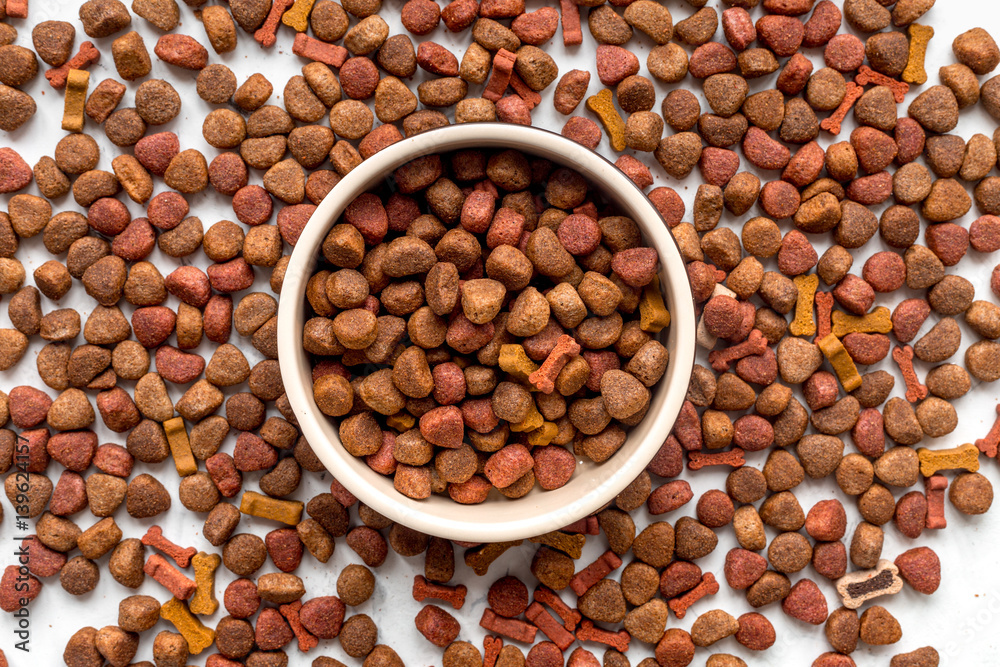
[592, 485]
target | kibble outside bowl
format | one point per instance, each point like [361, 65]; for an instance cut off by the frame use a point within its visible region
[498, 518]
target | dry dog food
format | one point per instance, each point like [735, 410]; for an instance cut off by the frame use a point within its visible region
[419, 407]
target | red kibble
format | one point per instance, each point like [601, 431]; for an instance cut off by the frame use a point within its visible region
[669, 497]
[579, 234]
[323, 616]
[436, 625]
[167, 210]
[508, 465]
[508, 597]
[252, 205]
[553, 467]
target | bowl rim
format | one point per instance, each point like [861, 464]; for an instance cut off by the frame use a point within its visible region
[474, 523]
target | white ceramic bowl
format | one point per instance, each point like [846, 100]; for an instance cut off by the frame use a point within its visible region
[592, 485]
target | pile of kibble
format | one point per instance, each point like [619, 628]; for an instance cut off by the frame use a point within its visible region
[590, 386]
[477, 272]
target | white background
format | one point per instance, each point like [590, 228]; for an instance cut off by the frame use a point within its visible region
[960, 619]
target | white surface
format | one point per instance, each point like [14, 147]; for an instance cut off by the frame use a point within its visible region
[498, 519]
[960, 619]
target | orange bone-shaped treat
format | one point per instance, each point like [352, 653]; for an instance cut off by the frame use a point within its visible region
[570, 617]
[307, 641]
[549, 626]
[915, 390]
[834, 121]
[181, 555]
[305, 46]
[453, 595]
[721, 359]
[169, 577]
[491, 650]
[991, 442]
[824, 311]
[572, 30]
[867, 75]
[266, 34]
[530, 97]
[503, 67]
[590, 575]
[85, 57]
[514, 628]
[708, 586]
[616, 640]
[699, 460]
[545, 377]
[934, 487]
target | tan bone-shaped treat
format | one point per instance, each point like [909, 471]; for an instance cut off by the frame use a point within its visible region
[857, 588]
[180, 446]
[194, 631]
[877, 321]
[804, 324]
[297, 18]
[203, 601]
[920, 35]
[964, 457]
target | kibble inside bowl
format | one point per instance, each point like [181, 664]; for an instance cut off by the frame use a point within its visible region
[475, 336]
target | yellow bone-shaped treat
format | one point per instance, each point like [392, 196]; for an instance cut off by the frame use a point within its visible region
[180, 446]
[297, 18]
[603, 106]
[804, 323]
[203, 601]
[401, 421]
[965, 457]
[543, 435]
[920, 35]
[653, 313]
[877, 321]
[531, 422]
[285, 511]
[515, 362]
[77, 83]
[197, 635]
[841, 361]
